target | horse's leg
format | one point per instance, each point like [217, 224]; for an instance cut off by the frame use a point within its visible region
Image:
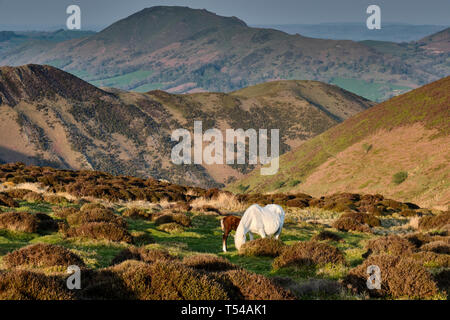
[277, 235]
[262, 233]
[250, 235]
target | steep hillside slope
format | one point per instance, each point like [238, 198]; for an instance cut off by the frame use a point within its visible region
[51, 117]
[399, 148]
[438, 42]
[179, 49]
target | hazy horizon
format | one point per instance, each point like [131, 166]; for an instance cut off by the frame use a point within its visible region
[49, 14]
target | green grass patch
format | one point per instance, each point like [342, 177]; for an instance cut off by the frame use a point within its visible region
[399, 177]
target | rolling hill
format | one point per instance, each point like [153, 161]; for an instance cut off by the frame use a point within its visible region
[181, 50]
[50, 117]
[399, 148]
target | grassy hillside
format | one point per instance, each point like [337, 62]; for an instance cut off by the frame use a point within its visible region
[404, 136]
[50, 117]
[180, 50]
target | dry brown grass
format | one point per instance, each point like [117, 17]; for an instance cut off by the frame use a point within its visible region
[55, 199]
[42, 255]
[435, 221]
[7, 201]
[223, 201]
[18, 193]
[33, 197]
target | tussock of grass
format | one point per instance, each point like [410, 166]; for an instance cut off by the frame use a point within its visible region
[208, 262]
[42, 255]
[100, 230]
[26, 285]
[400, 278]
[308, 253]
[19, 221]
[142, 254]
[263, 247]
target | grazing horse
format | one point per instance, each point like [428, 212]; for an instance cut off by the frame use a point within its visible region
[265, 221]
[228, 224]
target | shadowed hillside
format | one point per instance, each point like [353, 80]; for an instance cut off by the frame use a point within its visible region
[50, 117]
[397, 148]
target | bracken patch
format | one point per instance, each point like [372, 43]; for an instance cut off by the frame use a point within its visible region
[437, 247]
[309, 253]
[392, 245]
[171, 227]
[100, 231]
[400, 277]
[243, 284]
[263, 247]
[168, 280]
[326, 235]
[350, 224]
[363, 218]
[435, 221]
[33, 197]
[209, 263]
[42, 255]
[26, 285]
[7, 201]
[432, 259]
[142, 254]
[135, 213]
[95, 215]
[19, 221]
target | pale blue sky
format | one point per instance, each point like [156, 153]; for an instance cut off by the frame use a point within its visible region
[104, 12]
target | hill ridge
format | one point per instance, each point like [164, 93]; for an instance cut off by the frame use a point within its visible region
[349, 151]
[69, 123]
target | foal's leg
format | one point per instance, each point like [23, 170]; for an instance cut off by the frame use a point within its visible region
[224, 241]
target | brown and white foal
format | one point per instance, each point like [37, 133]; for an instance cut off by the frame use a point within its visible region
[228, 224]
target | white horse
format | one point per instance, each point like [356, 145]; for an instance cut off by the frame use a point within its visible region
[267, 221]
